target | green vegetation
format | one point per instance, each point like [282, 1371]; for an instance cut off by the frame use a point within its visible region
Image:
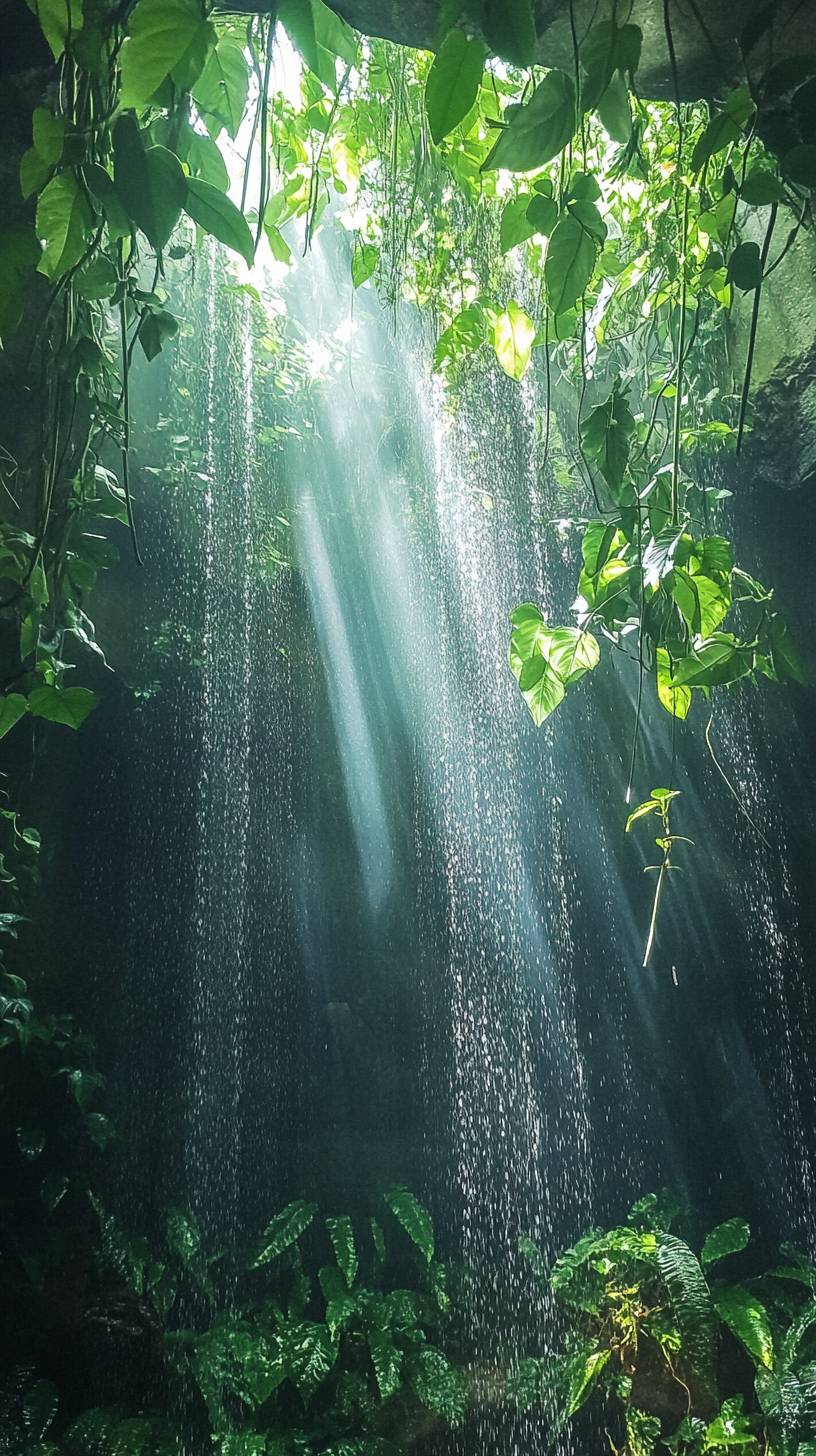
[284, 1356]
[681, 1355]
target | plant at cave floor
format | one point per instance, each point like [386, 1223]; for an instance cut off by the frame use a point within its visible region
[328, 1361]
[679, 1357]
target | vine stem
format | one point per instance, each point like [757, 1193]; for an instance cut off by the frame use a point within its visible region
[749, 362]
[125, 447]
[678, 397]
[664, 867]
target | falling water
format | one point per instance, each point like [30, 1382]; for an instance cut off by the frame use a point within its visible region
[392, 932]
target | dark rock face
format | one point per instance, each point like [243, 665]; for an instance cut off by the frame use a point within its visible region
[706, 35]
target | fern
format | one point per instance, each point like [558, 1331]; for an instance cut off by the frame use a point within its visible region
[691, 1301]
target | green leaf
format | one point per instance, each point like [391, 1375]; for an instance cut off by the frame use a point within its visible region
[541, 687]
[761, 188]
[745, 267]
[364, 262]
[727, 1238]
[513, 335]
[39, 1408]
[70, 706]
[571, 653]
[569, 263]
[283, 1231]
[515, 226]
[156, 329]
[12, 708]
[387, 1362]
[341, 1234]
[719, 659]
[613, 109]
[649, 806]
[453, 82]
[19, 254]
[748, 1319]
[149, 182]
[676, 700]
[437, 1384]
[183, 1234]
[205, 160]
[691, 1303]
[537, 132]
[161, 34]
[414, 1219]
[606, 435]
[583, 1378]
[97, 280]
[221, 89]
[785, 655]
[58, 19]
[658, 555]
[319, 35]
[509, 28]
[542, 214]
[463, 336]
[218, 216]
[63, 223]
[99, 1128]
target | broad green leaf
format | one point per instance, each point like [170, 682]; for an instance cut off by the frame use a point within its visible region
[748, 1319]
[614, 111]
[513, 335]
[538, 131]
[217, 215]
[761, 188]
[438, 1385]
[99, 1128]
[59, 20]
[463, 336]
[583, 1378]
[364, 262]
[341, 1306]
[278, 245]
[541, 687]
[649, 806]
[221, 89]
[414, 1219]
[149, 182]
[569, 263]
[205, 160]
[745, 267]
[341, 1234]
[70, 706]
[606, 435]
[161, 33]
[658, 555]
[572, 652]
[600, 537]
[542, 214]
[97, 279]
[48, 131]
[717, 660]
[283, 1231]
[529, 635]
[727, 1238]
[63, 223]
[319, 35]
[608, 48]
[157, 328]
[509, 28]
[785, 654]
[515, 226]
[19, 255]
[387, 1362]
[12, 708]
[183, 1234]
[453, 82]
[676, 700]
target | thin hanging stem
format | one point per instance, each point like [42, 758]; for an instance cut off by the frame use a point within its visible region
[125, 446]
[749, 362]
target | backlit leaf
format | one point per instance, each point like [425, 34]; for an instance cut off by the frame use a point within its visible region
[513, 335]
[160, 34]
[453, 82]
[727, 1238]
[538, 131]
[569, 263]
[747, 1318]
[63, 223]
[217, 215]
